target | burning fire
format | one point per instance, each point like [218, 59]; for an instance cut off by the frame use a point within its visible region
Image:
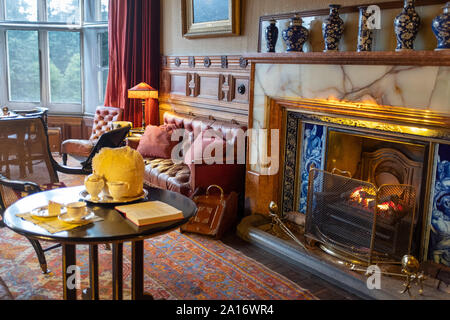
[365, 197]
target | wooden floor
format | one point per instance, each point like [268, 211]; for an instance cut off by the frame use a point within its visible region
[317, 286]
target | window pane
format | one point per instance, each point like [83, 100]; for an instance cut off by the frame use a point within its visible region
[65, 67]
[104, 9]
[21, 10]
[102, 87]
[67, 11]
[23, 58]
[104, 52]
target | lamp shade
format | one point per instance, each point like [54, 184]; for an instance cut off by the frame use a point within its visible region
[142, 91]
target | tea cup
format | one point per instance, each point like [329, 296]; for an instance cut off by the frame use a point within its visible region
[76, 210]
[118, 189]
[94, 184]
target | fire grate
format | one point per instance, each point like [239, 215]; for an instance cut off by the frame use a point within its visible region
[353, 218]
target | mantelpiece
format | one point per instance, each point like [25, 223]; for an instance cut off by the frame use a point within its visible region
[413, 58]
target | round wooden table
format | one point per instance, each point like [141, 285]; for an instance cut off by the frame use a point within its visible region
[114, 228]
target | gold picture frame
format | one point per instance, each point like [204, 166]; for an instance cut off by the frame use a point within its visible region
[201, 23]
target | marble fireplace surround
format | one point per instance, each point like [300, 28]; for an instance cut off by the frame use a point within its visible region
[403, 92]
[413, 86]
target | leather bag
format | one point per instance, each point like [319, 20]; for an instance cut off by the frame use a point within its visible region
[215, 215]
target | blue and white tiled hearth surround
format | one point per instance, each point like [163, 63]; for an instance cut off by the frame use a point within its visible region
[426, 89]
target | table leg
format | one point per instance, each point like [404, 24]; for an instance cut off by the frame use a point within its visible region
[93, 271]
[69, 279]
[117, 254]
[137, 272]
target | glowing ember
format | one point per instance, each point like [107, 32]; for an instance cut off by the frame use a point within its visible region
[365, 197]
[362, 196]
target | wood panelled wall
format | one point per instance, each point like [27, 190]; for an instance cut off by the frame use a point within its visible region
[214, 86]
[68, 127]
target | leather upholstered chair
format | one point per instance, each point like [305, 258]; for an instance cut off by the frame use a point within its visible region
[80, 149]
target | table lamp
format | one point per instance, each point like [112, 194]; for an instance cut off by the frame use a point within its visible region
[143, 91]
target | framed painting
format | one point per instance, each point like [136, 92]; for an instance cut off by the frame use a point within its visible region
[210, 18]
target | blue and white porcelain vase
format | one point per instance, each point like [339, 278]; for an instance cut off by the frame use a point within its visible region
[295, 35]
[406, 26]
[441, 29]
[332, 29]
[365, 39]
[271, 35]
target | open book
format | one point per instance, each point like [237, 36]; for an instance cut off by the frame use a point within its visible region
[145, 213]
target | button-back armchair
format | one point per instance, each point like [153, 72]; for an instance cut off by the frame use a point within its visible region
[27, 165]
[80, 149]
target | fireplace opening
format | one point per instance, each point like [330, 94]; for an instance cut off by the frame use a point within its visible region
[366, 204]
[354, 219]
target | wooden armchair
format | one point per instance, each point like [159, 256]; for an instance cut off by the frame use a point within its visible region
[27, 166]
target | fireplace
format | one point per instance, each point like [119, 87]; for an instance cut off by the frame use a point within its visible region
[377, 139]
[368, 182]
[379, 170]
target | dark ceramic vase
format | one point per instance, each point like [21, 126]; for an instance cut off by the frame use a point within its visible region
[295, 35]
[406, 26]
[365, 39]
[441, 29]
[332, 29]
[271, 35]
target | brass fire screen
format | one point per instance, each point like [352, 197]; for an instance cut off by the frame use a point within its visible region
[353, 218]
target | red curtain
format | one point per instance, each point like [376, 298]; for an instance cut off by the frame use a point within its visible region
[134, 57]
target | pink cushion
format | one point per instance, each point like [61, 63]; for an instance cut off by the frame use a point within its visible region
[157, 142]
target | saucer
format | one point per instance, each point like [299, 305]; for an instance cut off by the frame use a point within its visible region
[85, 196]
[42, 212]
[81, 220]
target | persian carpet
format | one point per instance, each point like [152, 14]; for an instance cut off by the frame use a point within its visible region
[177, 267]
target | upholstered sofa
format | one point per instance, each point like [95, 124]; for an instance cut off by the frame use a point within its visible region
[195, 178]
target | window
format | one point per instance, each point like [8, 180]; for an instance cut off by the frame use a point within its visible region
[23, 66]
[65, 67]
[54, 53]
[21, 10]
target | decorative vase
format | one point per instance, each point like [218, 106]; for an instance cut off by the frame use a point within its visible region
[271, 35]
[441, 28]
[295, 35]
[365, 40]
[406, 26]
[332, 29]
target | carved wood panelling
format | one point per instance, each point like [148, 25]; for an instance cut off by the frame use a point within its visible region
[216, 86]
[72, 127]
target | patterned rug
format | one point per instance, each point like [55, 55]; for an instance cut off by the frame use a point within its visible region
[177, 267]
